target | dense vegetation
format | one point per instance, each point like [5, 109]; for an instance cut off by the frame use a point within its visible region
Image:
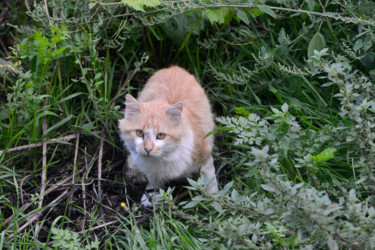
[292, 84]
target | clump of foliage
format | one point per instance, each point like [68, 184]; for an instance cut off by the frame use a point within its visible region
[292, 84]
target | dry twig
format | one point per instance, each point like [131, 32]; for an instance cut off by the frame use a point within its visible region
[98, 227]
[74, 171]
[21, 185]
[38, 144]
[100, 198]
[44, 170]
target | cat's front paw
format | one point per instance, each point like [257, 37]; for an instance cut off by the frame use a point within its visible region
[213, 187]
[147, 199]
[135, 176]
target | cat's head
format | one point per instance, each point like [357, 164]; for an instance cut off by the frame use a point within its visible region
[151, 129]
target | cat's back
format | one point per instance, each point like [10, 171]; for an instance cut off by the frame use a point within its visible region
[175, 84]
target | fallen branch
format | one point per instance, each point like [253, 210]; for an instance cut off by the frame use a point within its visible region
[44, 167]
[74, 171]
[84, 201]
[100, 198]
[44, 170]
[39, 144]
[98, 227]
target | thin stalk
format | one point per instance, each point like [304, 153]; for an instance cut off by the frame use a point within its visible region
[221, 6]
[187, 38]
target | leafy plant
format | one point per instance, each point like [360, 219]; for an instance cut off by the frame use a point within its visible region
[292, 86]
[65, 239]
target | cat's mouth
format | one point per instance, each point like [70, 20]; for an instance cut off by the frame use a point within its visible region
[148, 154]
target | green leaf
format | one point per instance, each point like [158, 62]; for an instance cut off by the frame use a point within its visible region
[191, 204]
[98, 75]
[267, 10]
[217, 207]
[332, 244]
[242, 111]
[140, 4]
[59, 124]
[88, 126]
[234, 195]
[243, 16]
[317, 43]
[267, 188]
[282, 36]
[311, 4]
[324, 156]
[285, 107]
[220, 15]
[70, 97]
[358, 44]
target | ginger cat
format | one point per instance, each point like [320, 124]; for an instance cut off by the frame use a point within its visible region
[164, 130]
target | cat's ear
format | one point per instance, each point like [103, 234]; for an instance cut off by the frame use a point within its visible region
[133, 107]
[174, 113]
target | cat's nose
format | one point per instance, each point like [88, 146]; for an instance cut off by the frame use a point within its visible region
[148, 149]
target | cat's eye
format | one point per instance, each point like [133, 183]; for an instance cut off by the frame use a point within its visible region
[160, 136]
[139, 133]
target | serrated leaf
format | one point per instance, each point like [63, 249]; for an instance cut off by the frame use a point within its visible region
[220, 15]
[243, 16]
[255, 12]
[228, 185]
[317, 43]
[324, 156]
[98, 75]
[140, 4]
[332, 244]
[217, 207]
[234, 195]
[311, 4]
[275, 111]
[242, 111]
[88, 126]
[285, 107]
[299, 185]
[282, 36]
[198, 199]
[192, 182]
[358, 44]
[91, 5]
[191, 204]
[267, 10]
[267, 188]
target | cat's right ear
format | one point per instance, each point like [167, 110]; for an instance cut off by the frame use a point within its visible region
[174, 113]
[133, 107]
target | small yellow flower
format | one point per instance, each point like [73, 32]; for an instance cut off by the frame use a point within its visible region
[123, 204]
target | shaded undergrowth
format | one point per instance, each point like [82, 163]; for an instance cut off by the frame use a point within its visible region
[291, 85]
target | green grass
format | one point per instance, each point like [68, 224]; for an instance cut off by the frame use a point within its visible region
[277, 193]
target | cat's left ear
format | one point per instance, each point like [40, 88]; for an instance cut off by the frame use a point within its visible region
[133, 108]
[174, 113]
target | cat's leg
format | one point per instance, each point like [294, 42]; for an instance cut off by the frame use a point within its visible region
[208, 169]
[133, 173]
[136, 176]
